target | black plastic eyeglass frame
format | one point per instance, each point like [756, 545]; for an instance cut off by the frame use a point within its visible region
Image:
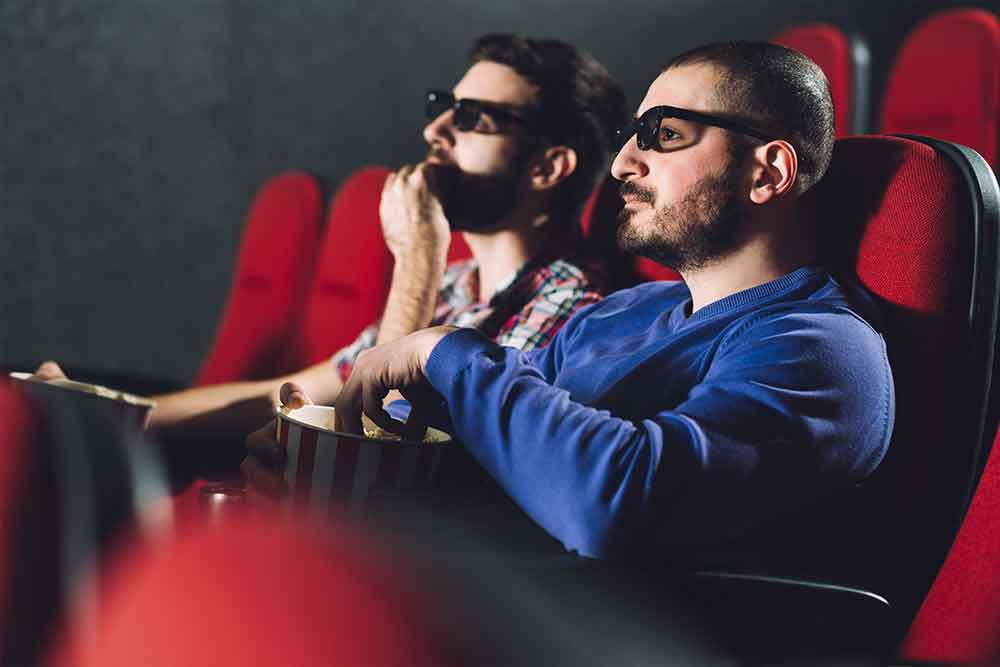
[466, 112]
[646, 126]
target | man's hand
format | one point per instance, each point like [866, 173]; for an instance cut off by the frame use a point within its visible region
[413, 222]
[398, 365]
[263, 465]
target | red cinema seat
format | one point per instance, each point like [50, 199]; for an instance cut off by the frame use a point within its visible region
[959, 621]
[845, 60]
[945, 82]
[930, 252]
[270, 281]
[916, 220]
[258, 592]
[353, 270]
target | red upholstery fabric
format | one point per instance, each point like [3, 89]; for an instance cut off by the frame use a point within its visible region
[906, 231]
[959, 622]
[353, 270]
[945, 82]
[258, 592]
[829, 48]
[272, 273]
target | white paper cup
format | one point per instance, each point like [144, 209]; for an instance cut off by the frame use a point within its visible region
[128, 410]
[326, 470]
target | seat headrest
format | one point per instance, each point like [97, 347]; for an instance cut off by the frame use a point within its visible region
[893, 210]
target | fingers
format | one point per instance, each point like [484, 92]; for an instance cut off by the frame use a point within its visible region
[262, 467]
[371, 398]
[403, 174]
[360, 394]
[263, 444]
[430, 178]
[396, 179]
[422, 176]
[49, 370]
[419, 395]
[415, 426]
[395, 365]
[264, 479]
[411, 178]
[293, 396]
[347, 413]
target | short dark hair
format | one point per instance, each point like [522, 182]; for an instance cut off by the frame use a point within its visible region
[580, 106]
[779, 91]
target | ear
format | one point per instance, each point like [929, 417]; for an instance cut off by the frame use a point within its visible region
[551, 167]
[775, 171]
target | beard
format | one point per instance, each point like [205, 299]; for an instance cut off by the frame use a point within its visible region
[476, 202]
[704, 226]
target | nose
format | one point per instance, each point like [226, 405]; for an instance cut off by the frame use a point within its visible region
[630, 162]
[440, 130]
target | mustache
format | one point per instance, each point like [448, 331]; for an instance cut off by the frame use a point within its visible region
[440, 155]
[637, 192]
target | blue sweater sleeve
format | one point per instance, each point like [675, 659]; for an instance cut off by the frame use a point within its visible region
[790, 406]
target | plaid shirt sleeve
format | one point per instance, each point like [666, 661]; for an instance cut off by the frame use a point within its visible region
[551, 295]
[452, 294]
[343, 360]
[526, 315]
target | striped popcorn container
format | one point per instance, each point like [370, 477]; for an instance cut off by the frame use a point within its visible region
[326, 470]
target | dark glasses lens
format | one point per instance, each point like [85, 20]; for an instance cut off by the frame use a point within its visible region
[647, 126]
[466, 115]
[644, 128]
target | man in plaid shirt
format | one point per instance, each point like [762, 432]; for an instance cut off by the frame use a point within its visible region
[514, 150]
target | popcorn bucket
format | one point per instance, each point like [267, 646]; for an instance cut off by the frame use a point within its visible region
[127, 410]
[326, 470]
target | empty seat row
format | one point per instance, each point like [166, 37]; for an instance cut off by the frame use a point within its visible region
[944, 83]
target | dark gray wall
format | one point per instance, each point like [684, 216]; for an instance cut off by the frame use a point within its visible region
[135, 132]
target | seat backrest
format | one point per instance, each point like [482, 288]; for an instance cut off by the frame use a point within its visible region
[945, 81]
[959, 621]
[917, 220]
[845, 60]
[353, 270]
[269, 283]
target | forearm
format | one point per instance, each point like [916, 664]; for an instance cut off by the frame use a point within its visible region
[237, 407]
[584, 475]
[214, 410]
[412, 296]
[783, 414]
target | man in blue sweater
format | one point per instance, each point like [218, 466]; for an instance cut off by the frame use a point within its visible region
[677, 413]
